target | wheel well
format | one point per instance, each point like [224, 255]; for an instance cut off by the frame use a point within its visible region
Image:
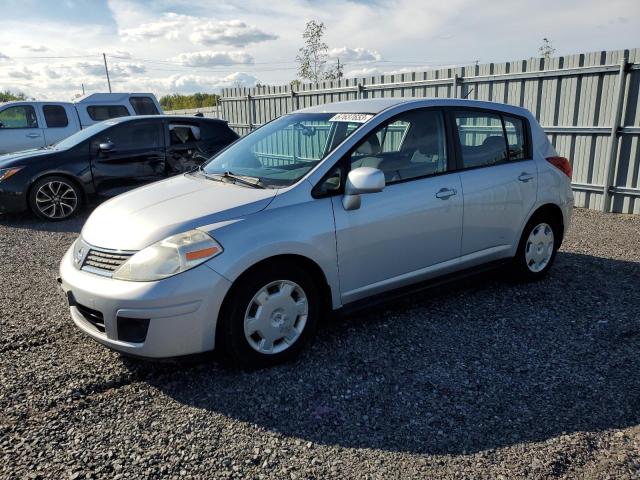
[309, 265]
[72, 179]
[552, 213]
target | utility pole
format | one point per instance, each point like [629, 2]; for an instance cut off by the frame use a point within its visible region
[83, 89]
[106, 69]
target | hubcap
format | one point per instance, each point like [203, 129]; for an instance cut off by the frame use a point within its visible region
[56, 199]
[539, 247]
[276, 317]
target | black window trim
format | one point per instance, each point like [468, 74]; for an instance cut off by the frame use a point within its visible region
[458, 146]
[35, 111]
[345, 165]
[44, 114]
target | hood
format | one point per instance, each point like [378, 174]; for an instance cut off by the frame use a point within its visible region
[141, 217]
[24, 157]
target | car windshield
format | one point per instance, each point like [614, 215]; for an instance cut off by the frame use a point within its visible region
[283, 151]
[82, 135]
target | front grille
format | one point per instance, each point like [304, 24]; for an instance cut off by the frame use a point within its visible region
[94, 317]
[104, 262]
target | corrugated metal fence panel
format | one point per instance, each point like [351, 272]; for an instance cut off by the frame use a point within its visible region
[577, 107]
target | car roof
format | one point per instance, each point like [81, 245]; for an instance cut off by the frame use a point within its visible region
[377, 105]
[179, 118]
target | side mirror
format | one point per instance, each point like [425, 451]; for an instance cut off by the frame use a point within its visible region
[360, 181]
[106, 147]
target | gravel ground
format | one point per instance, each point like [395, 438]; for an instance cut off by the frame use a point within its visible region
[476, 379]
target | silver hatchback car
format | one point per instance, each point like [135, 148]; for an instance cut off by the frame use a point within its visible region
[322, 208]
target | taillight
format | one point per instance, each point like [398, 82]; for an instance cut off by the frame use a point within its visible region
[561, 164]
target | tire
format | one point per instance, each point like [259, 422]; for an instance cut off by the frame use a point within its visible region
[537, 249]
[55, 198]
[247, 329]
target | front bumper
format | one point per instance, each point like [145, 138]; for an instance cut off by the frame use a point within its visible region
[12, 201]
[182, 310]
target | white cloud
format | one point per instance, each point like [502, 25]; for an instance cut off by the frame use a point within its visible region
[3, 57]
[34, 48]
[198, 83]
[233, 32]
[211, 58]
[22, 73]
[346, 54]
[173, 26]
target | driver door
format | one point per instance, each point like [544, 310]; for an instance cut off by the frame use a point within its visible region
[413, 228]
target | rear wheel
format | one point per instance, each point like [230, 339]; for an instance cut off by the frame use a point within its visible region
[270, 316]
[55, 198]
[537, 249]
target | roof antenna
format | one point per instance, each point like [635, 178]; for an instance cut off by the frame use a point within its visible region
[468, 93]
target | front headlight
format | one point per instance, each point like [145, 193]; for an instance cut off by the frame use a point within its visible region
[8, 172]
[168, 257]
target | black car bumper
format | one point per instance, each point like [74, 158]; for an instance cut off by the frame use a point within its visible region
[12, 201]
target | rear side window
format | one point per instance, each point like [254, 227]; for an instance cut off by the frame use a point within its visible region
[217, 132]
[516, 138]
[105, 112]
[20, 116]
[55, 116]
[182, 134]
[143, 106]
[481, 139]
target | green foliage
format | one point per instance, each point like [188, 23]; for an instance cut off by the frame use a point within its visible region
[177, 101]
[7, 96]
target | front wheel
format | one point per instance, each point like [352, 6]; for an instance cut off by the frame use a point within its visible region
[272, 313]
[537, 249]
[55, 198]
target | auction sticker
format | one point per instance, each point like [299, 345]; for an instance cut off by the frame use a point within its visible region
[351, 117]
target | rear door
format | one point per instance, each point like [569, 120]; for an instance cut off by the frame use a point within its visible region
[20, 129]
[59, 122]
[132, 154]
[499, 179]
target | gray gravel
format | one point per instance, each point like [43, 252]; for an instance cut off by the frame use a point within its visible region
[477, 379]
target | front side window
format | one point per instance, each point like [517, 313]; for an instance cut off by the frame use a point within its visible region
[283, 151]
[412, 145]
[20, 116]
[143, 106]
[55, 116]
[131, 135]
[105, 112]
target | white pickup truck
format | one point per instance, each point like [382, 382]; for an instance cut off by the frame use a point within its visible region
[34, 124]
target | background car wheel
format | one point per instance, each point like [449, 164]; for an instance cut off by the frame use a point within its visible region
[55, 198]
[537, 249]
[271, 315]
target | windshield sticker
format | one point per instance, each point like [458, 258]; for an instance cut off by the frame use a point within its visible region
[351, 117]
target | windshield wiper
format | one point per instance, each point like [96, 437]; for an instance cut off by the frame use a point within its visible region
[241, 179]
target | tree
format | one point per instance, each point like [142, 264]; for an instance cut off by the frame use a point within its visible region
[177, 101]
[336, 72]
[7, 96]
[546, 50]
[312, 57]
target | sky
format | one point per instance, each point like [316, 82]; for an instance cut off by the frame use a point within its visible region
[49, 49]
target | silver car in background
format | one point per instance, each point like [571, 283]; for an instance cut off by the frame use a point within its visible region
[320, 209]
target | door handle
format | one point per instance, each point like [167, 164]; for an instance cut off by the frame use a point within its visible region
[33, 135]
[445, 193]
[525, 177]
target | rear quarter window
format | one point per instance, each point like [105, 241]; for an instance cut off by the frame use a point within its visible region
[143, 106]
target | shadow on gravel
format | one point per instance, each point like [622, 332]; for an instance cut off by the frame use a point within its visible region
[28, 221]
[471, 366]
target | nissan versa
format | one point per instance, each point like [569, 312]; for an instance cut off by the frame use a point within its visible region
[315, 211]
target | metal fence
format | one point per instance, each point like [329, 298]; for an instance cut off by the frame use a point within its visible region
[587, 104]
